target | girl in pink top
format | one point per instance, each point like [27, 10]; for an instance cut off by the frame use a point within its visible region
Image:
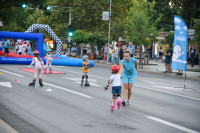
[48, 61]
[39, 64]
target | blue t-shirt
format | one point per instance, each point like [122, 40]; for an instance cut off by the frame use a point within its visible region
[7, 44]
[131, 48]
[129, 67]
[45, 46]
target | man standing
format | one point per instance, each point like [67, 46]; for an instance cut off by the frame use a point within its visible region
[131, 48]
[45, 47]
[168, 55]
[64, 48]
[6, 46]
[193, 55]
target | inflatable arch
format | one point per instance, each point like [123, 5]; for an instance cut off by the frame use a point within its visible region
[51, 33]
[29, 36]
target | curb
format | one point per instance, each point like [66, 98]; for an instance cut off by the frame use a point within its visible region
[150, 72]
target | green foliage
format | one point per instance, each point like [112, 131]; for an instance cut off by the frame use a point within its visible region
[80, 37]
[97, 39]
[118, 29]
[170, 39]
[141, 27]
[197, 32]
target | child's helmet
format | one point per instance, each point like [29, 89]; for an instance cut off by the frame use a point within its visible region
[84, 57]
[24, 41]
[28, 44]
[36, 52]
[16, 42]
[49, 50]
[115, 68]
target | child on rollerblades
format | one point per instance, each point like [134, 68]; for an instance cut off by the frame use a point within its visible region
[39, 64]
[115, 80]
[86, 67]
[48, 61]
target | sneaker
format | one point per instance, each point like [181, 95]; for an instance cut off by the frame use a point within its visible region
[178, 74]
[112, 106]
[165, 72]
[123, 103]
[128, 102]
[119, 103]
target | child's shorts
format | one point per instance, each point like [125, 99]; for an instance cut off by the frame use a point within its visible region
[116, 90]
[85, 74]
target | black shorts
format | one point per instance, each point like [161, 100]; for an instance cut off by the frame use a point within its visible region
[6, 50]
[160, 53]
[26, 50]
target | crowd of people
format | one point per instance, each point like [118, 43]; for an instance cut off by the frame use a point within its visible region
[20, 47]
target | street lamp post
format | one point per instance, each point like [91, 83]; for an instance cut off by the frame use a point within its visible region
[109, 23]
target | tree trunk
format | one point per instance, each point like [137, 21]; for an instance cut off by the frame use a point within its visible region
[140, 56]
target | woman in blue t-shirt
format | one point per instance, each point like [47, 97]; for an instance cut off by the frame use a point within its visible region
[128, 70]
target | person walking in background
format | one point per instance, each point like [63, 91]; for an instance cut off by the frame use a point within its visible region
[84, 49]
[106, 52]
[128, 70]
[161, 53]
[192, 55]
[110, 54]
[168, 55]
[64, 48]
[6, 46]
[121, 53]
[45, 47]
[131, 48]
[29, 48]
[115, 54]
[111, 51]
[20, 48]
[79, 51]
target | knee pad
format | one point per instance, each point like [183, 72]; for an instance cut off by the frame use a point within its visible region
[114, 96]
[83, 77]
[86, 76]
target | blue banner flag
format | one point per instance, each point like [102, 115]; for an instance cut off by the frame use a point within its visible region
[179, 58]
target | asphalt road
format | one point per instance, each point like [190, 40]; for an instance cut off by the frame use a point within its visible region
[159, 104]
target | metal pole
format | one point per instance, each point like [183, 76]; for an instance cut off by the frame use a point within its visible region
[70, 17]
[109, 23]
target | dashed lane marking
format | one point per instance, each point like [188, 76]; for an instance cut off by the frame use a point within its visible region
[172, 124]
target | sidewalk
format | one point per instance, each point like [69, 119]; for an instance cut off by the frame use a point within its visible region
[158, 67]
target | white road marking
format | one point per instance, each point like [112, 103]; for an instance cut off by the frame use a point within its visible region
[143, 87]
[91, 84]
[166, 87]
[65, 89]
[12, 73]
[6, 84]
[81, 74]
[49, 90]
[168, 93]
[172, 124]
[77, 79]
[7, 127]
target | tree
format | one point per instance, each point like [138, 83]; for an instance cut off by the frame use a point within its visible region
[197, 32]
[141, 26]
[170, 39]
[96, 39]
